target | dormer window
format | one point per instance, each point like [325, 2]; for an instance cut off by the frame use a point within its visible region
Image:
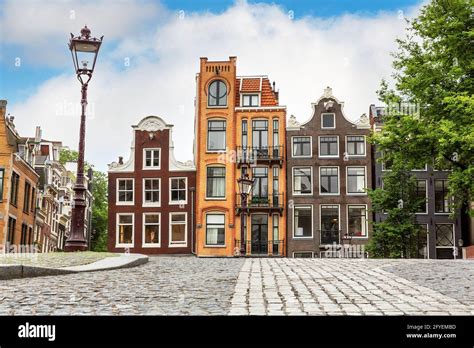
[250, 100]
[328, 121]
[217, 95]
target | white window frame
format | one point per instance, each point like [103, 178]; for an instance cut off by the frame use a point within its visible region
[310, 146]
[144, 158]
[117, 202]
[205, 230]
[426, 198]
[153, 204]
[319, 146]
[225, 183]
[301, 252]
[293, 180]
[328, 113]
[366, 220]
[365, 146]
[347, 182]
[151, 245]
[320, 221]
[453, 229]
[434, 197]
[312, 222]
[425, 168]
[225, 134]
[171, 202]
[242, 95]
[338, 181]
[117, 237]
[180, 244]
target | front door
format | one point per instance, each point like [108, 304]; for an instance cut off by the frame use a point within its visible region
[259, 234]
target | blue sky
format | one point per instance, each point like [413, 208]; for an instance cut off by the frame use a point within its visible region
[343, 44]
[18, 84]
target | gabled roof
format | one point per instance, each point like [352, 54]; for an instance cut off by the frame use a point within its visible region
[256, 84]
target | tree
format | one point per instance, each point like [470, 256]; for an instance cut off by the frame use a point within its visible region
[398, 235]
[434, 69]
[99, 203]
[99, 212]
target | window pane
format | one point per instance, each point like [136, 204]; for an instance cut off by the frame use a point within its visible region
[125, 219]
[178, 232]
[215, 219]
[303, 223]
[357, 221]
[152, 219]
[328, 120]
[152, 234]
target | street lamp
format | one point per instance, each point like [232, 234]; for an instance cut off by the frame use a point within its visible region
[84, 50]
[245, 187]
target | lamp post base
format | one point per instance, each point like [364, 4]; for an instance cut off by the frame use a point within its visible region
[75, 245]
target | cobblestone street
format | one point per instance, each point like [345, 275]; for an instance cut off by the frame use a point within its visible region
[219, 286]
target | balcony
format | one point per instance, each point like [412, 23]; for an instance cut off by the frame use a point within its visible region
[268, 155]
[262, 248]
[270, 204]
[330, 236]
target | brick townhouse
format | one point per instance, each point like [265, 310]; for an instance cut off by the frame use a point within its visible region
[329, 170]
[151, 196]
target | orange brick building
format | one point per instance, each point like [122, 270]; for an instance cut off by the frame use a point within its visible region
[239, 129]
[18, 187]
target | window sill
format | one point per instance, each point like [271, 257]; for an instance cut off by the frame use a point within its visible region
[215, 198]
[329, 157]
[183, 245]
[125, 203]
[151, 205]
[151, 246]
[151, 168]
[303, 238]
[214, 246]
[178, 203]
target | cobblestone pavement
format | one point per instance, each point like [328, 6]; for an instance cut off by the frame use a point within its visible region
[215, 286]
[348, 286]
[164, 286]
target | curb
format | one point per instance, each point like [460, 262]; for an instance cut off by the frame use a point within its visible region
[16, 271]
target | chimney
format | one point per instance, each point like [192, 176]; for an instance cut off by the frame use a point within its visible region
[273, 86]
[120, 160]
[38, 134]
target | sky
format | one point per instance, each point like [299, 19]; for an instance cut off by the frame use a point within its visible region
[150, 56]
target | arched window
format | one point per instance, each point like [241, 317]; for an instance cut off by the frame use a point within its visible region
[217, 95]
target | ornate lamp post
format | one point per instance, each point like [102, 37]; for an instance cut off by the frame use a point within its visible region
[245, 187]
[84, 50]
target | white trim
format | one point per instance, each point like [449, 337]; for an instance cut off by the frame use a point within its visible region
[310, 146]
[151, 245]
[301, 252]
[347, 182]
[366, 220]
[338, 220]
[117, 244]
[117, 202]
[171, 202]
[259, 99]
[211, 119]
[293, 180]
[365, 146]
[312, 222]
[425, 169]
[179, 244]
[426, 197]
[328, 113]
[205, 230]
[145, 149]
[225, 183]
[319, 146]
[338, 181]
[152, 204]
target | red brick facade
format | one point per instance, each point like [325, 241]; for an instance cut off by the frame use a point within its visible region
[169, 218]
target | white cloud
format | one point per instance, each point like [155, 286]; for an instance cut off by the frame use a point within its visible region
[349, 53]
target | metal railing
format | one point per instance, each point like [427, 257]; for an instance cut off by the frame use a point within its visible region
[269, 248]
[330, 236]
[251, 154]
[271, 201]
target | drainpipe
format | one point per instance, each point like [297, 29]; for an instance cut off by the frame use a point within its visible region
[192, 190]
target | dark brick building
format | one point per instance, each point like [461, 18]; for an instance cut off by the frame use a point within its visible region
[328, 170]
[151, 196]
[439, 235]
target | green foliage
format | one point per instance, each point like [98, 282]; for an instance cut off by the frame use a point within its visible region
[397, 235]
[434, 68]
[99, 212]
[99, 203]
